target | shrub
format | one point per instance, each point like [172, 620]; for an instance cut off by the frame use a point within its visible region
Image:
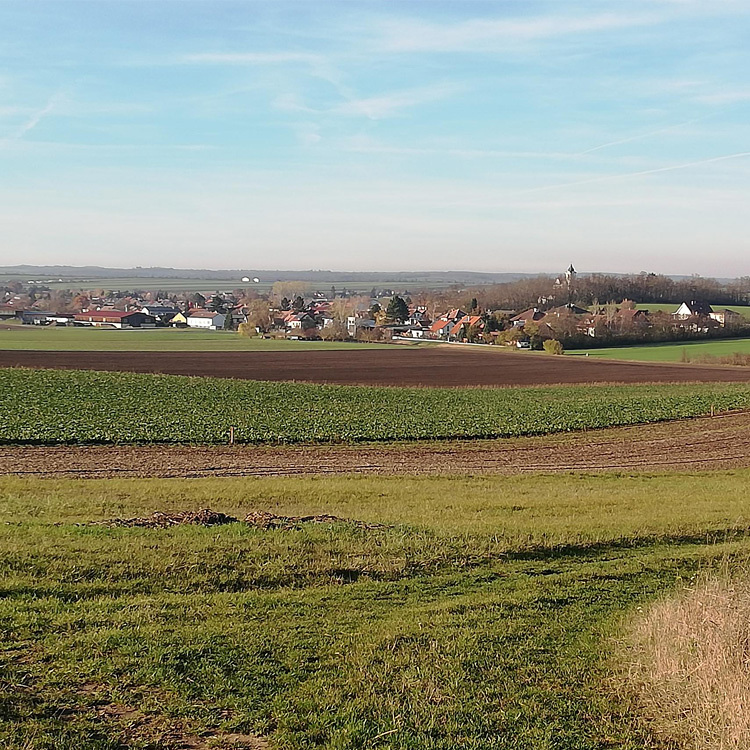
[553, 346]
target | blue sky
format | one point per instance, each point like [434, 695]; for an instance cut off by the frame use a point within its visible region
[487, 135]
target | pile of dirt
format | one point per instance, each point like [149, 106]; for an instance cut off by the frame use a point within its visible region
[260, 519]
[203, 517]
[263, 520]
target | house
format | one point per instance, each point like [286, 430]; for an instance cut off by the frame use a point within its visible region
[692, 310]
[115, 319]
[206, 319]
[441, 328]
[727, 318]
[355, 324]
[461, 328]
[7, 312]
[520, 320]
[162, 313]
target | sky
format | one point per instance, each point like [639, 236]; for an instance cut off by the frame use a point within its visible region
[487, 135]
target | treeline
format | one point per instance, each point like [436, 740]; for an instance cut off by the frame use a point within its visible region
[546, 292]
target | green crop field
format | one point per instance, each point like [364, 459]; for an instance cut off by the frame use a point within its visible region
[673, 351]
[487, 614]
[54, 338]
[56, 406]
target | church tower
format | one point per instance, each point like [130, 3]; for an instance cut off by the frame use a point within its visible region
[570, 280]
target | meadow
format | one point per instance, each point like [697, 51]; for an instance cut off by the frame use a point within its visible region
[486, 613]
[65, 338]
[743, 310]
[672, 351]
[58, 406]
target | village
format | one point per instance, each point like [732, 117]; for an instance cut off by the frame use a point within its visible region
[290, 311]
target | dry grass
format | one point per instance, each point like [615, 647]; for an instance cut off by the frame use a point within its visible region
[689, 665]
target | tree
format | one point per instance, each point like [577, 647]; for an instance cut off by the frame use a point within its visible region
[397, 309]
[553, 346]
[259, 315]
[80, 302]
[197, 299]
[285, 304]
[474, 304]
[336, 331]
[298, 304]
[246, 329]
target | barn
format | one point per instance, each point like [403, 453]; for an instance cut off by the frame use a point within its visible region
[116, 319]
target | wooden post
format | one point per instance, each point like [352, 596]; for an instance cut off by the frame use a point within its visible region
[231, 436]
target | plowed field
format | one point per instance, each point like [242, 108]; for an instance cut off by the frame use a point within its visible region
[446, 366]
[719, 442]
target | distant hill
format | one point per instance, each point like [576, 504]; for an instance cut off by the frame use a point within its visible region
[321, 276]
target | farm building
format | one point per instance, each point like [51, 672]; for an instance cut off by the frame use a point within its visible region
[116, 319]
[207, 319]
[163, 313]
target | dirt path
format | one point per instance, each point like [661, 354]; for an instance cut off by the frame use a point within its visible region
[718, 442]
[434, 366]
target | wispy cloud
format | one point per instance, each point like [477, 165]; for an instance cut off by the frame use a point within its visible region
[250, 58]
[34, 119]
[481, 34]
[725, 97]
[389, 105]
[640, 137]
[642, 173]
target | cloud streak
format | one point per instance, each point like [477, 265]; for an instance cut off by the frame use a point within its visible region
[35, 119]
[482, 34]
[642, 173]
[650, 134]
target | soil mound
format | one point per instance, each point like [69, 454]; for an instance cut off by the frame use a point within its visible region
[259, 519]
[203, 517]
[264, 520]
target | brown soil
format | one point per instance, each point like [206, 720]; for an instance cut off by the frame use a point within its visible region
[718, 442]
[448, 366]
[260, 519]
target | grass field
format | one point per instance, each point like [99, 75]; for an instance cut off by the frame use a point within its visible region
[58, 406]
[673, 351]
[54, 338]
[743, 310]
[486, 614]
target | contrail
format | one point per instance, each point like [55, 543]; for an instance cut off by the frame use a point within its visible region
[35, 119]
[740, 155]
[643, 135]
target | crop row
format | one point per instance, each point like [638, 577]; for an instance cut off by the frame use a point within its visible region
[54, 406]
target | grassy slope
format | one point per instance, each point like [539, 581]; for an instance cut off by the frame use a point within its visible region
[53, 338]
[672, 351]
[743, 310]
[49, 406]
[481, 620]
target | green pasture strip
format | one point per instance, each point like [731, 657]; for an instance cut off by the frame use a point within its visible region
[482, 616]
[57, 406]
[66, 338]
[672, 351]
[743, 310]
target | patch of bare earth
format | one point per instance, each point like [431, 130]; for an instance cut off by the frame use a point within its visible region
[259, 519]
[719, 442]
[136, 726]
[453, 366]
